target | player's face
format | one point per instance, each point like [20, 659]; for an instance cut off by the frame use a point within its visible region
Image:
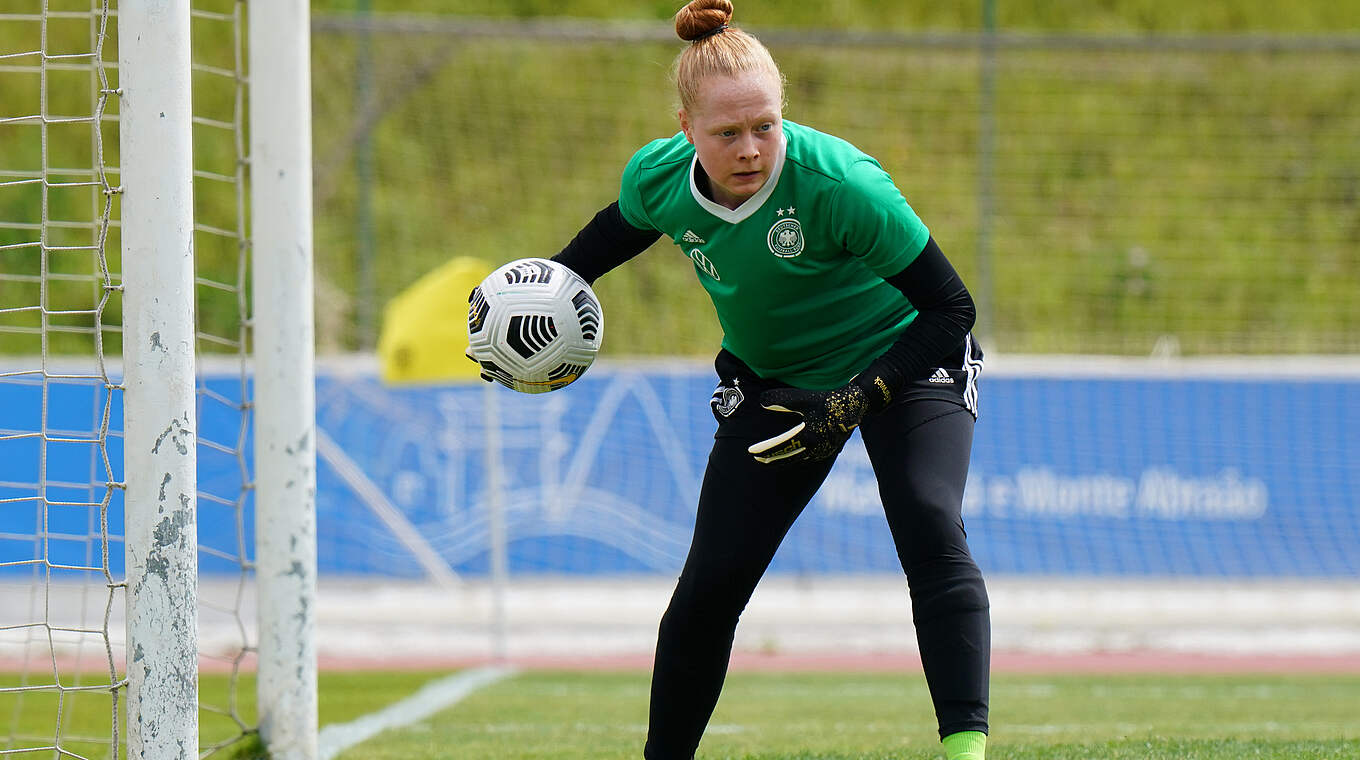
[737, 130]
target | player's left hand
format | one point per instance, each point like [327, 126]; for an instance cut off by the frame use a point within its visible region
[828, 418]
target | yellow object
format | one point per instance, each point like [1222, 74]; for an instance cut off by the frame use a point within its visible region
[424, 328]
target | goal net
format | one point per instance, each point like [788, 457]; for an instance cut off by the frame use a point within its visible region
[126, 370]
[1141, 196]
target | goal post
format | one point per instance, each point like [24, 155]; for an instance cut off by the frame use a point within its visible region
[285, 420]
[159, 275]
[160, 418]
[142, 546]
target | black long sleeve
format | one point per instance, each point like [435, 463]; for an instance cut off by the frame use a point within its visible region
[605, 242]
[945, 315]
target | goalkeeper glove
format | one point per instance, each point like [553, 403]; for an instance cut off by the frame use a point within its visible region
[472, 296]
[483, 373]
[828, 418]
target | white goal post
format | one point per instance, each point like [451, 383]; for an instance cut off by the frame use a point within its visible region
[158, 245]
[285, 418]
[160, 419]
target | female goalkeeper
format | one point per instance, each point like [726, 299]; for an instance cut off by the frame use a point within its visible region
[838, 311]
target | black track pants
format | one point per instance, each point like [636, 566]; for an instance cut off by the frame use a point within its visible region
[919, 448]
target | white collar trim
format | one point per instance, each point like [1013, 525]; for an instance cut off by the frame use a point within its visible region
[750, 205]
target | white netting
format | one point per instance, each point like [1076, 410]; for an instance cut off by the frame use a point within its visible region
[62, 631]
[221, 256]
[60, 558]
[1099, 194]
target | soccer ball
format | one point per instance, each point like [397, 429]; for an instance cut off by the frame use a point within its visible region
[534, 326]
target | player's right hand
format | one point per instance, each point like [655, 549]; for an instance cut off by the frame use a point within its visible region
[468, 353]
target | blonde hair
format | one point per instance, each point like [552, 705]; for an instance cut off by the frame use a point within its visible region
[716, 48]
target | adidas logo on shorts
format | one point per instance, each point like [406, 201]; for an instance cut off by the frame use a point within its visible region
[941, 377]
[690, 237]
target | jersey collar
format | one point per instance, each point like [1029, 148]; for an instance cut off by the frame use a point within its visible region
[750, 205]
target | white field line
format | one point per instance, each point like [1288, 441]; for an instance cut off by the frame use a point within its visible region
[432, 698]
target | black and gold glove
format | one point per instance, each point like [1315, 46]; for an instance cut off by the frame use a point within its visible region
[828, 418]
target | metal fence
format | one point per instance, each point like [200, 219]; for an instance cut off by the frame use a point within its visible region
[1099, 194]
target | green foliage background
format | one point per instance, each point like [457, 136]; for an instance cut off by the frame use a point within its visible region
[1212, 197]
[1133, 16]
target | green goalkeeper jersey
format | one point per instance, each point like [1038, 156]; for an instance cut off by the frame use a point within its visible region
[796, 273]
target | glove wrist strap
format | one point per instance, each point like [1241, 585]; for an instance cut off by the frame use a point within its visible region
[877, 391]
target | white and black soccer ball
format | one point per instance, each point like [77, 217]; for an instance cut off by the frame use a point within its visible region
[534, 326]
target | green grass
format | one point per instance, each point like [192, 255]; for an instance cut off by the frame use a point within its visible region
[227, 717]
[30, 719]
[870, 717]
[822, 716]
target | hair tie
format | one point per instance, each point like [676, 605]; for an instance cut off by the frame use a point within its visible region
[710, 33]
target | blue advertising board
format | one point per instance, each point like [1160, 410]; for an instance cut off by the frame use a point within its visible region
[1077, 476]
